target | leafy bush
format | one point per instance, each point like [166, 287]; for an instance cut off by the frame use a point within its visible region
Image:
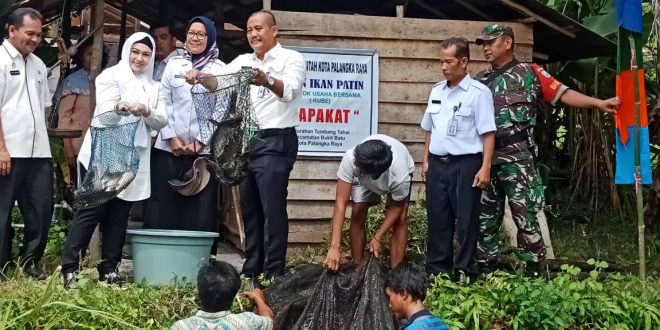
[503, 301]
[512, 302]
[56, 240]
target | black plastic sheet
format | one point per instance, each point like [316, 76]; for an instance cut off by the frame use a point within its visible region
[310, 297]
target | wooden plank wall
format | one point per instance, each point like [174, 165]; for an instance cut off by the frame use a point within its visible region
[409, 67]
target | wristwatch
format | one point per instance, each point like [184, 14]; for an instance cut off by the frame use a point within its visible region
[270, 80]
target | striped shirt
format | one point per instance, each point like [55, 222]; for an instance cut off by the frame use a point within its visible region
[224, 320]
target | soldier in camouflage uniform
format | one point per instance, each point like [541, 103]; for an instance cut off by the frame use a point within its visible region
[517, 88]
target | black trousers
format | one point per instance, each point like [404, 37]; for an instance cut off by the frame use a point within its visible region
[30, 183]
[167, 209]
[113, 217]
[263, 202]
[452, 204]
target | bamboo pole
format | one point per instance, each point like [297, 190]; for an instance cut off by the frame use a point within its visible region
[641, 227]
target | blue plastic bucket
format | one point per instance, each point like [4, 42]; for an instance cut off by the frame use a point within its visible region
[163, 257]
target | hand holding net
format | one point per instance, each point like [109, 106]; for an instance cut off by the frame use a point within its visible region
[114, 159]
[227, 124]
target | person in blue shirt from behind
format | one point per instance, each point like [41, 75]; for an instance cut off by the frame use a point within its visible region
[406, 289]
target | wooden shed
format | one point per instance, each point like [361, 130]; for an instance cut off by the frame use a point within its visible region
[408, 67]
[408, 49]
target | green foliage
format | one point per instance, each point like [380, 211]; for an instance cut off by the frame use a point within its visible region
[512, 302]
[54, 247]
[604, 24]
[502, 301]
[576, 148]
[26, 304]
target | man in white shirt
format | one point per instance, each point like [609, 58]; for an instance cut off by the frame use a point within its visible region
[25, 158]
[163, 34]
[380, 165]
[278, 76]
[460, 136]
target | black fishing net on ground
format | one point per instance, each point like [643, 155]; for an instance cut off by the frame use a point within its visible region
[227, 124]
[309, 298]
[114, 158]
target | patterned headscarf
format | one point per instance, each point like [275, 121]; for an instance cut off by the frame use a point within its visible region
[211, 51]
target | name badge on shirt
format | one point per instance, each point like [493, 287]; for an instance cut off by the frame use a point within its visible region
[452, 126]
[436, 102]
[14, 72]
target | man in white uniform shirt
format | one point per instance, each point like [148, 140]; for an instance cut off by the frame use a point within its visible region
[380, 165]
[278, 76]
[460, 136]
[163, 34]
[25, 159]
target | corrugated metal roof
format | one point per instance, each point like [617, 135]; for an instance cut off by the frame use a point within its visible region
[556, 36]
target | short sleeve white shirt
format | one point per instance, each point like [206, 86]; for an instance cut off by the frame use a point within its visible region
[181, 117]
[470, 103]
[24, 95]
[394, 181]
[159, 67]
[283, 64]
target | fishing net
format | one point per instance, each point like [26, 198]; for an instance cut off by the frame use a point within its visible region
[310, 297]
[227, 124]
[114, 158]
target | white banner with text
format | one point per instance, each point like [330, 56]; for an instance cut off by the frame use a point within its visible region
[338, 107]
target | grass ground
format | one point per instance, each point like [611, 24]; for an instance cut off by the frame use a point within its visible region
[612, 242]
[25, 303]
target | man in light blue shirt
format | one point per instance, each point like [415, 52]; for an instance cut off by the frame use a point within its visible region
[460, 135]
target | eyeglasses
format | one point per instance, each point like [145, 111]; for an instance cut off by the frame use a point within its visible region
[199, 35]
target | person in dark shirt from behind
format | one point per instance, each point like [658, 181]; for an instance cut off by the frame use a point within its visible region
[406, 288]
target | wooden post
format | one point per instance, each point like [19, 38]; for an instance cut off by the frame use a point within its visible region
[97, 55]
[219, 6]
[136, 25]
[122, 27]
[399, 10]
[267, 4]
[233, 224]
[66, 23]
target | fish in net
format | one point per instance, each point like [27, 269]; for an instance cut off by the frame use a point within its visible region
[114, 159]
[227, 124]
